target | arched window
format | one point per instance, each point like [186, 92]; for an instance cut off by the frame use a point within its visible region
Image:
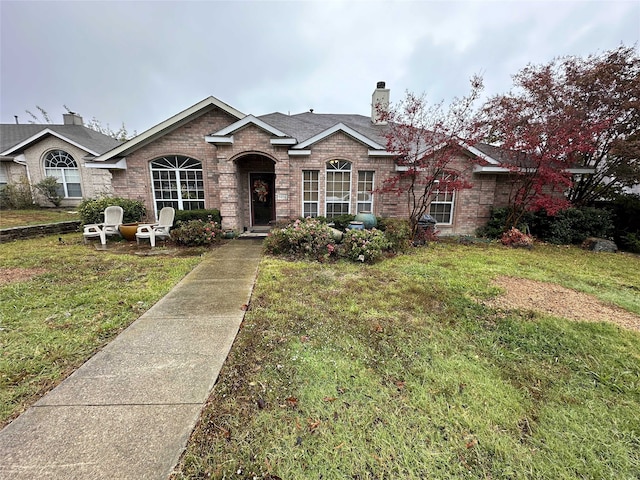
[338, 191]
[177, 183]
[60, 165]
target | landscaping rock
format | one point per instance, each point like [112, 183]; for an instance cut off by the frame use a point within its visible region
[599, 245]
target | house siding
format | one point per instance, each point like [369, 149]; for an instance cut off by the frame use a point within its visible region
[94, 182]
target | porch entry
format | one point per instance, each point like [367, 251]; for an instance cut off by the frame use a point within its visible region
[261, 185]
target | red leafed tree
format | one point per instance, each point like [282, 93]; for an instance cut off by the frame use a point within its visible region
[426, 140]
[570, 116]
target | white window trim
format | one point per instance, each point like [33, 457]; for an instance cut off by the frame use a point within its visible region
[326, 179]
[176, 175]
[373, 186]
[317, 202]
[452, 203]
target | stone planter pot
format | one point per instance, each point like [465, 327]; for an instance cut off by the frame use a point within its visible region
[368, 219]
[128, 231]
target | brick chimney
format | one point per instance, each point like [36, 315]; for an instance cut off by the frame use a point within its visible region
[72, 118]
[379, 100]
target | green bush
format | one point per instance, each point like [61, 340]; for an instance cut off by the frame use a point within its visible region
[574, 225]
[92, 210]
[497, 223]
[364, 245]
[570, 226]
[202, 214]
[397, 231]
[626, 213]
[49, 188]
[17, 195]
[304, 238]
[341, 222]
[195, 233]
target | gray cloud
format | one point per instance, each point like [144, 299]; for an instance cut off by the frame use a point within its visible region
[141, 62]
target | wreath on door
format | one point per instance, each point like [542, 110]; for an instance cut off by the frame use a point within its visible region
[261, 189]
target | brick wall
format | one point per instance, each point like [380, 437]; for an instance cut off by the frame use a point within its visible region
[187, 140]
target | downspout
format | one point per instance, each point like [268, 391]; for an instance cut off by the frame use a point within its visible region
[21, 160]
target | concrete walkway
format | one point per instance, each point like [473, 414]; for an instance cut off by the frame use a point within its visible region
[127, 413]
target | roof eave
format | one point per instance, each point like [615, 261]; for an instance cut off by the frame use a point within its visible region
[34, 138]
[170, 123]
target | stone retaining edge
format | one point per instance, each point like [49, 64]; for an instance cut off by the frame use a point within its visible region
[21, 233]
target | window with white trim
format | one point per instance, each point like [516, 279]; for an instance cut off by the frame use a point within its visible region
[310, 193]
[338, 190]
[365, 192]
[441, 207]
[177, 183]
[4, 176]
[61, 166]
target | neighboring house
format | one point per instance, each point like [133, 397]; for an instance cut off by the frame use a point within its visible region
[255, 170]
[62, 151]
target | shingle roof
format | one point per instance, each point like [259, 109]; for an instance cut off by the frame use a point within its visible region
[303, 126]
[14, 134]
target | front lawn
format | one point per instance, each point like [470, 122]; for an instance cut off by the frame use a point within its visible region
[404, 370]
[61, 300]
[38, 216]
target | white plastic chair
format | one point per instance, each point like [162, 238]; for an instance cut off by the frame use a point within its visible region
[113, 216]
[157, 230]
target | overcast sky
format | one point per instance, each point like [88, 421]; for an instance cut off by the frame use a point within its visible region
[142, 62]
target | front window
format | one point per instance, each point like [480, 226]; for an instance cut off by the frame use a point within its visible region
[61, 166]
[310, 193]
[441, 208]
[365, 192]
[177, 183]
[338, 191]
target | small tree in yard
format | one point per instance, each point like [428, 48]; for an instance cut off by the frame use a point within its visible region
[426, 141]
[570, 113]
[50, 190]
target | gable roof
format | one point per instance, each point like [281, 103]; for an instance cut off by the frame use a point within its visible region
[168, 125]
[309, 128]
[14, 138]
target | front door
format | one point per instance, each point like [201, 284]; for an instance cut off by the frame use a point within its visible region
[262, 204]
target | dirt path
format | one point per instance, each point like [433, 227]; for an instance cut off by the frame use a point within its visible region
[559, 301]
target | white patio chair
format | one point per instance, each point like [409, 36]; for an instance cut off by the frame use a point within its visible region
[157, 230]
[113, 216]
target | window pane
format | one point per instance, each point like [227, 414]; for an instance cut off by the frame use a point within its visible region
[310, 193]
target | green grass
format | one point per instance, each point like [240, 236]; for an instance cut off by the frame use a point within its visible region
[79, 299]
[19, 218]
[396, 371]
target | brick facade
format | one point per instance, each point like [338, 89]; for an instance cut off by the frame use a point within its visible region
[227, 167]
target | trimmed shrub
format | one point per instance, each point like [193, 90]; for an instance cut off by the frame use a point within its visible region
[49, 189]
[397, 231]
[364, 245]
[341, 222]
[202, 214]
[304, 238]
[195, 233]
[570, 226]
[91, 211]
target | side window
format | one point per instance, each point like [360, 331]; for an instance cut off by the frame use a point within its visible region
[441, 208]
[310, 193]
[338, 189]
[365, 192]
[60, 165]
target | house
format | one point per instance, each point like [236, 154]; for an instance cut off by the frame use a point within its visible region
[62, 151]
[255, 170]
